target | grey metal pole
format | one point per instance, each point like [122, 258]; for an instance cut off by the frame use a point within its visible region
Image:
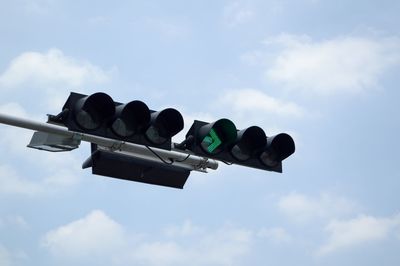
[193, 161]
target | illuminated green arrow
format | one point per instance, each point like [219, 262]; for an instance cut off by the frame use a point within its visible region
[212, 140]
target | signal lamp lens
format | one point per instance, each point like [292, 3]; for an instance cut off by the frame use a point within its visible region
[131, 118]
[249, 141]
[164, 125]
[155, 135]
[92, 111]
[278, 148]
[215, 137]
[238, 153]
[269, 158]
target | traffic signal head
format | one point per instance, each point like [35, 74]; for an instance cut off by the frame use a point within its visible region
[98, 114]
[248, 147]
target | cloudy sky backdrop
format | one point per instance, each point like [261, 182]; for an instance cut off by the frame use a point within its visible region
[324, 71]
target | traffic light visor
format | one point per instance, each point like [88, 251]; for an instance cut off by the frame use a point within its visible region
[278, 148]
[164, 125]
[130, 119]
[249, 141]
[92, 111]
[215, 137]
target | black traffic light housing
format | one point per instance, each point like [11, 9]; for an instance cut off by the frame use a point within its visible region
[249, 147]
[122, 166]
[134, 122]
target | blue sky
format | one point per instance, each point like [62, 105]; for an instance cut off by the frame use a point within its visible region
[323, 71]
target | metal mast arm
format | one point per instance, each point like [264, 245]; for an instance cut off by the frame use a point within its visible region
[189, 161]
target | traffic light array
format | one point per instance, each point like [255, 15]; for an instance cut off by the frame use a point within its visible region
[250, 147]
[133, 122]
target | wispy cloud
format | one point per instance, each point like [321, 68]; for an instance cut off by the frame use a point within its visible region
[13, 108]
[237, 13]
[50, 76]
[168, 29]
[5, 256]
[302, 208]
[184, 230]
[345, 234]
[39, 7]
[222, 247]
[52, 69]
[89, 236]
[252, 100]
[14, 221]
[16, 183]
[347, 64]
[278, 235]
[12, 183]
[10, 256]
[98, 234]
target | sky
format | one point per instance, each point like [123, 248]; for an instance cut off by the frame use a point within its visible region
[322, 71]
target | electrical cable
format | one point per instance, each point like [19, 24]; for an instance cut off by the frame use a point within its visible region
[227, 163]
[180, 161]
[159, 157]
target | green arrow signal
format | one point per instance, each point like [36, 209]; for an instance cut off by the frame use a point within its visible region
[212, 140]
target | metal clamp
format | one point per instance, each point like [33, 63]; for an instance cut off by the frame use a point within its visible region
[117, 146]
[202, 165]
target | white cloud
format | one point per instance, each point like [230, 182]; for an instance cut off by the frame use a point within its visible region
[50, 76]
[363, 229]
[39, 7]
[98, 20]
[222, 247]
[252, 100]
[277, 235]
[96, 238]
[14, 109]
[302, 208]
[5, 257]
[341, 65]
[16, 183]
[95, 234]
[237, 13]
[185, 230]
[12, 183]
[10, 257]
[225, 246]
[159, 253]
[52, 69]
[170, 30]
[247, 103]
[14, 221]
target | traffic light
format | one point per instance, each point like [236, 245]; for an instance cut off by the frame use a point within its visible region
[134, 122]
[250, 147]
